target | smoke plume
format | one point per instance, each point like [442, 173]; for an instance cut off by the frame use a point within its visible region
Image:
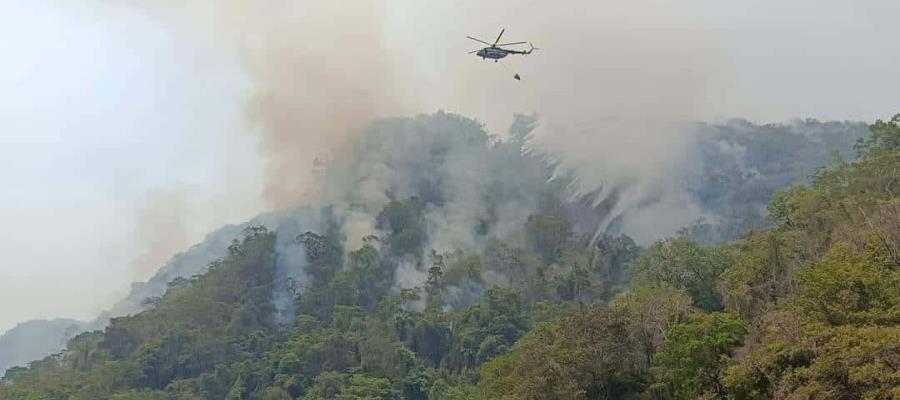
[322, 69]
[613, 83]
[160, 230]
[318, 70]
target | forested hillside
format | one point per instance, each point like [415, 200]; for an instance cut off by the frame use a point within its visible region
[32, 340]
[478, 284]
[809, 309]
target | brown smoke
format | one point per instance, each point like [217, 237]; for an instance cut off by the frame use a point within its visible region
[322, 69]
[320, 74]
[318, 71]
[161, 230]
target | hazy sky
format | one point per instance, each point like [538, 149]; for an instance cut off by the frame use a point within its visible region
[120, 142]
[102, 117]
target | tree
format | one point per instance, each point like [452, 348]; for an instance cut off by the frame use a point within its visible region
[404, 222]
[695, 353]
[649, 312]
[547, 234]
[850, 288]
[683, 264]
[581, 357]
[324, 256]
[362, 387]
[838, 339]
[763, 271]
[328, 385]
[884, 137]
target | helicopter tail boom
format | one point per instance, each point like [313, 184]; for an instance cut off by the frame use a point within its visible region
[523, 51]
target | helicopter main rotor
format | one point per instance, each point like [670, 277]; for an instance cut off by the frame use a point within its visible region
[495, 44]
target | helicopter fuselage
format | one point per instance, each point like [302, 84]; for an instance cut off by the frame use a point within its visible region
[494, 53]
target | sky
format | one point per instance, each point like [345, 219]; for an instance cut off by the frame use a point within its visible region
[122, 141]
[103, 117]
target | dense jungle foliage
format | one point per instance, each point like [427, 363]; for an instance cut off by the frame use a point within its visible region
[806, 308]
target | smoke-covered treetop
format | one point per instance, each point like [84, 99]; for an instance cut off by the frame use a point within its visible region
[294, 312]
[436, 261]
[472, 186]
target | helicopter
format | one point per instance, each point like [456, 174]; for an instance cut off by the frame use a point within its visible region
[496, 51]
